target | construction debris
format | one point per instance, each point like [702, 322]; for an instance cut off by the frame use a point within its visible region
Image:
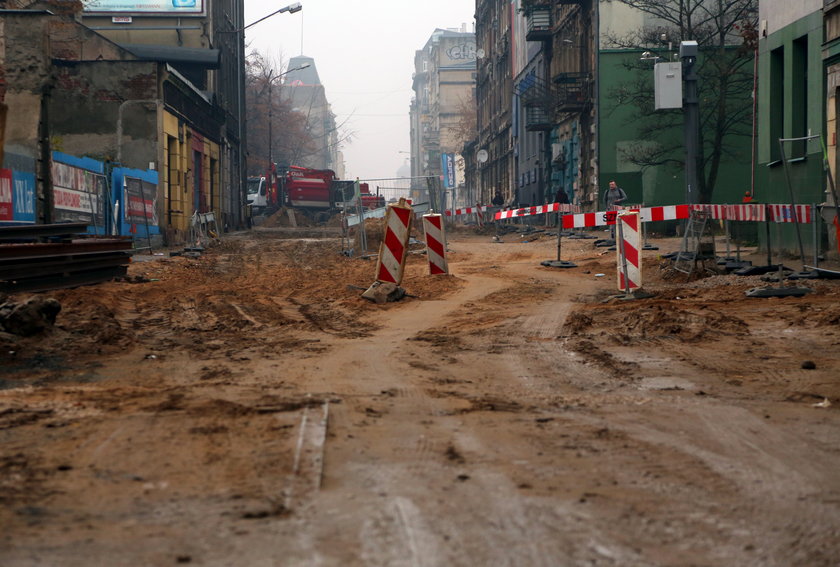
[30, 317]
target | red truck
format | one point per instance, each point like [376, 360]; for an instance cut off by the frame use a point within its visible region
[315, 190]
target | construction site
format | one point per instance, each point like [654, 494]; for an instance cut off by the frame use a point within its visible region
[242, 404]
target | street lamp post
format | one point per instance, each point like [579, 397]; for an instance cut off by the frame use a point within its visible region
[240, 49]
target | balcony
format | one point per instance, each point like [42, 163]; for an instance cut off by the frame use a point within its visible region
[538, 19]
[537, 119]
[572, 92]
[536, 99]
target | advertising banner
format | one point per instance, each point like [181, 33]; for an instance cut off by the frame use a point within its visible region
[447, 163]
[140, 202]
[23, 197]
[78, 195]
[161, 7]
[6, 210]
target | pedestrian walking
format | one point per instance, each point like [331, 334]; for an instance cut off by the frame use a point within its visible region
[613, 197]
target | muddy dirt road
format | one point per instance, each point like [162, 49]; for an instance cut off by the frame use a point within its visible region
[248, 408]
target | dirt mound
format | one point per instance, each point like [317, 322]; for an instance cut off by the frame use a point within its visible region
[281, 218]
[277, 295]
[633, 322]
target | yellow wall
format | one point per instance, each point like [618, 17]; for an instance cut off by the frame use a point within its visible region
[178, 182]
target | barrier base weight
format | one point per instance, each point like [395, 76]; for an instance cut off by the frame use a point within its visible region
[635, 294]
[757, 270]
[730, 266]
[384, 292]
[812, 275]
[778, 291]
[558, 264]
[826, 274]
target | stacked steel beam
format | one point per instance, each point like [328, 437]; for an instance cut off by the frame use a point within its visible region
[56, 256]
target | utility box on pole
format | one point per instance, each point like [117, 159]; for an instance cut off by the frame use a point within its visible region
[667, 83]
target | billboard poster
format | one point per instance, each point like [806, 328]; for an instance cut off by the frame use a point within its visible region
[6, 210]
[23, 198]
[447, 164]
[78, 194]
[140, 202]
[160, 7]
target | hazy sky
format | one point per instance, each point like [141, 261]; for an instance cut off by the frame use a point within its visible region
[364, 54]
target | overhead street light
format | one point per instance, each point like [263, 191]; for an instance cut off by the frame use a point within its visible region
[291, 8]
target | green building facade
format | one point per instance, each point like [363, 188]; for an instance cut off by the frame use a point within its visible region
[621, 79]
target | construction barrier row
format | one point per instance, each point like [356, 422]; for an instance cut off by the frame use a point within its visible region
[758, 212]
[537, 210]
[606, 218]
[394, 247]
[477, 210]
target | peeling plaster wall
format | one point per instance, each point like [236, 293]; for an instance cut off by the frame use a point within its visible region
[96, 91]
[24, 69]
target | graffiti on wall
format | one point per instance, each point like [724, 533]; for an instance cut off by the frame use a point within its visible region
[461, 51]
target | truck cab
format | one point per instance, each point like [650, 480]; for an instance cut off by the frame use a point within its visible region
[256, 196]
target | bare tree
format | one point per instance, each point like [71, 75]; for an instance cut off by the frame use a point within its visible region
[289, 134]
[725, 31]
[466, 128]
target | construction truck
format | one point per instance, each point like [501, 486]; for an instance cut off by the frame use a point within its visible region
[317, 192]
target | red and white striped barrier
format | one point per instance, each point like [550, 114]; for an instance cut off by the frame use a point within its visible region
[466, 211]
[628, 252]
[784, 213]
[435, 244]
[757, 212]
[646, 214]
[538, 210]
[391, 263]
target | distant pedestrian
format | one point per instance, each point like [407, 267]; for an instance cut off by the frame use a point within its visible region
[613, 197]
[498, 200]
[748, 198]
[561, 197]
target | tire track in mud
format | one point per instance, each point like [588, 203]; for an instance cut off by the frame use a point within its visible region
[436, 447]
[779, 489]
[383, 382]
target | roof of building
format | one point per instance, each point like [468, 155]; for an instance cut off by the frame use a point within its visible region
[302, 77]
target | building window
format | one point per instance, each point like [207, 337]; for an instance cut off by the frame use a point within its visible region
[777, 101]
[799, 98]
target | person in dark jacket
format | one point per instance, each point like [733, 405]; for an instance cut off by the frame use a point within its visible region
[498, 200]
